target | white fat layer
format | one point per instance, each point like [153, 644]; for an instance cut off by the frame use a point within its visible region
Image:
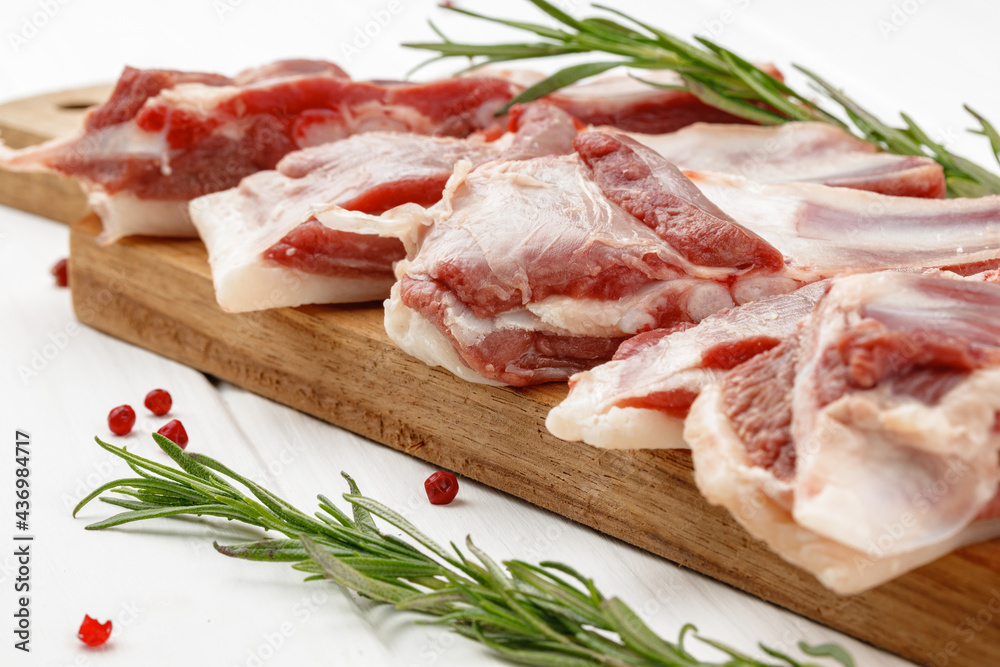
[760, 502]
[558, 315]
[589, 413]
[468, 330]
[195, 97]
[245, 281]
[119, 141]
[633, 313]
[615, 88]
[123, 214]
[619, 428]
[879, 469]
[260, 285]
[883, 486]
[756, 288]
[419, 338]
[673, 363]
[403, 222]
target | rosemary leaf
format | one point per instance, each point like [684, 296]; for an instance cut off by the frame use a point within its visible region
[113, 485]
[988, 131]
[348, 577]
[716, 76]
[560, 79]
[397, 520]
[540, 30]
[160, 512]
[545, 614]
[362, 517]
[828, 650]
[274, 551]
[637, 634]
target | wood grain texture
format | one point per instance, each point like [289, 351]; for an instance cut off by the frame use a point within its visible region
[336, 363]
[31, 121]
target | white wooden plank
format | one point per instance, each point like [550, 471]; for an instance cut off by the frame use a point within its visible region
[203, 608]
[666, 595]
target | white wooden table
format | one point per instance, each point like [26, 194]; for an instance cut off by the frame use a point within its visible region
[172, 599]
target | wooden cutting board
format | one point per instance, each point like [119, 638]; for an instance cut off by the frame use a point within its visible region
[336, 363]
[32, 121]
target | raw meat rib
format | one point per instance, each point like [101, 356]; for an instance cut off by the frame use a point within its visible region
[823, 231]
[530, 270]
[265, 253]
[798, 152]
[640, 399]
[621, 101]
[266, 249]
[866, 444]
[140, 160]
[593, 271]
[247, 227]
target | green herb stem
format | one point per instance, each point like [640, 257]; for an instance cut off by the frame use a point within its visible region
[717, 76]
[547, 614]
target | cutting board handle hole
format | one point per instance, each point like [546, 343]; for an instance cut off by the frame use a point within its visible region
[76, 106]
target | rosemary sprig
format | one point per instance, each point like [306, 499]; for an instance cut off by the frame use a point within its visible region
[717, 76]
[547, 614]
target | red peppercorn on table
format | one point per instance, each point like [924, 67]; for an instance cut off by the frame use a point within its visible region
[170, 596]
